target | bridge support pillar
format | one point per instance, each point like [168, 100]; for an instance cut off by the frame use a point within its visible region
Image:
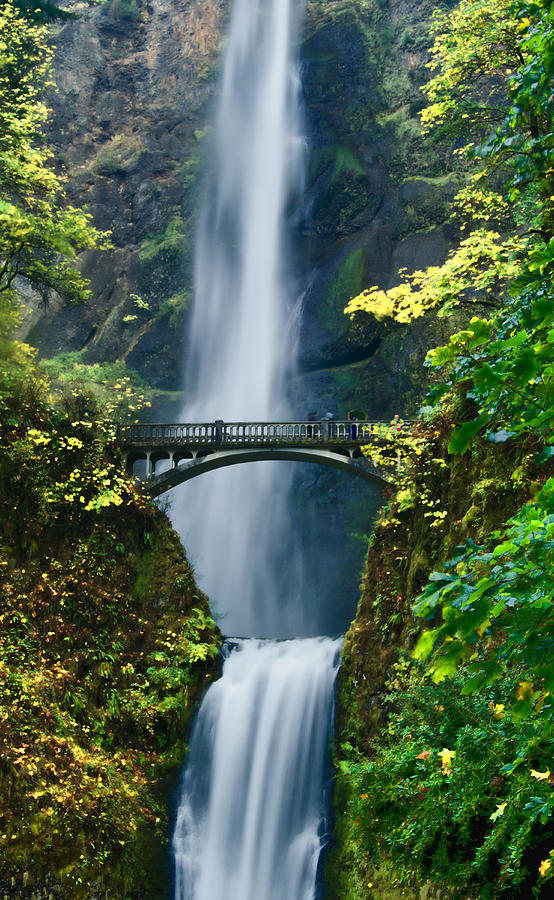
[148, 464]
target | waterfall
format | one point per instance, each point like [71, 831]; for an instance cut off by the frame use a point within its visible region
[251, 822]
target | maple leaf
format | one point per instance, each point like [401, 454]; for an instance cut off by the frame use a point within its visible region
[446, 758]
[425, 755]
[524, 690]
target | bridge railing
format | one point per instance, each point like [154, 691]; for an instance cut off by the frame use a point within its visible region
[162, 434]
[239, 433]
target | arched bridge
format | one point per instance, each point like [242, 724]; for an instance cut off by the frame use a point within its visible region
[171, 454]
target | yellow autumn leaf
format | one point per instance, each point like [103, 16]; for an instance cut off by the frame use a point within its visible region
[483, 627]
[544, 866]
[524, 690]
[498, 812]
[540, 776]
[446, 757]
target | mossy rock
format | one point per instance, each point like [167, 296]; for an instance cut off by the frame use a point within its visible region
[120, 157]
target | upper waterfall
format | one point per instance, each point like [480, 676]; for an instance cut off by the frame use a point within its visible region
[242, 339]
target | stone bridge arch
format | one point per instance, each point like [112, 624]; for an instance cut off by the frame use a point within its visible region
[194, 449]
[192, 468]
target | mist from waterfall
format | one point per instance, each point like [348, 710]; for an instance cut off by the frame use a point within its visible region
[243, 334]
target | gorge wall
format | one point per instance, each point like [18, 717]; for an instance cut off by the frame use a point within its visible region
[133, 83]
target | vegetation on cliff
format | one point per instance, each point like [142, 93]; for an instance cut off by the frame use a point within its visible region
[445, 762]
[105, 642]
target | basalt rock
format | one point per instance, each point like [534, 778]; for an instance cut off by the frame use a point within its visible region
[376, 201]
[133, 88]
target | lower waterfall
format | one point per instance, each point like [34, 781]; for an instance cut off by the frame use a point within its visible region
[251, 821]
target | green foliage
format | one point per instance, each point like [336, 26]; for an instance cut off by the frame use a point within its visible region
[476, 45]
[504, 588]
[168, 244]
[41, 10]
[125, 10]
[174, 308]
[493, 66]
[457, 788]
[475, 272]
[439, 794]
[485, 691]
[104, 643]
[113, 387]
[509, 376]
[407, 456]
[120, 156]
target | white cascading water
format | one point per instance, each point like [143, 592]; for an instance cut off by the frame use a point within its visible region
[250, 821]
[251, 817]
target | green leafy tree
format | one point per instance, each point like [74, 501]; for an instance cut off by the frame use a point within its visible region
[476, 47]
[491, 609]
[492, 65]
[41, 10]
[40, 235]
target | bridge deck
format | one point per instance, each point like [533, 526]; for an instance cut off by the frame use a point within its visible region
[190, 449]
[227, 435]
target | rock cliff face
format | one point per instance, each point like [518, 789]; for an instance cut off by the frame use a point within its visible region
[376, 201]
[134, 84]
[135, 80]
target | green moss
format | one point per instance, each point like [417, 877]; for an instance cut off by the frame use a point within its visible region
[347, 283]
[170, 244]
[345, 162]
[174, 308]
